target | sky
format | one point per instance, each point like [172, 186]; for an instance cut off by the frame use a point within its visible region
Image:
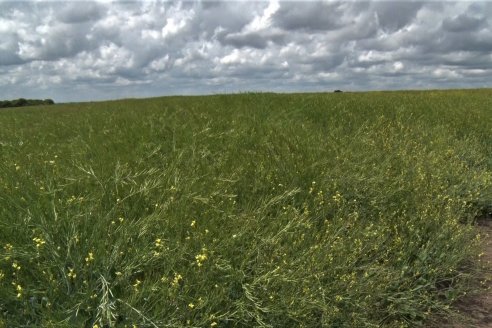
[94, 50]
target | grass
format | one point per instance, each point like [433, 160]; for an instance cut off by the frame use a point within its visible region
[248, 210]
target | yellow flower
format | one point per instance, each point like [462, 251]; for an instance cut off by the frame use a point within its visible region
[39, 242]
[177, 279]
[193, 223]
[71, 273]
[16, 266]
[213, 324]
[89, 258]
[18, 288]
[200, 258]
[337, 197]
[191, 305]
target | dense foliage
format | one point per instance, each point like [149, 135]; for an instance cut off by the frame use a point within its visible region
[21, 102]
[251, 210]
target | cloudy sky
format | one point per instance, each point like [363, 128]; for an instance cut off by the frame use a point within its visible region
[90, 50]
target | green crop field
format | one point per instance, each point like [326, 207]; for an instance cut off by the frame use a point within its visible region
[247, 210]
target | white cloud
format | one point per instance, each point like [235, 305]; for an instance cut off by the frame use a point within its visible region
[263, 21]
[172, 27]
[160, 64]
[398, 66]
[445, 73]
[150, 34]
[374, 56]
[235, 57]
[108, 49]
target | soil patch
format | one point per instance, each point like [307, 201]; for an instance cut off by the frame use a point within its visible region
[478, 308]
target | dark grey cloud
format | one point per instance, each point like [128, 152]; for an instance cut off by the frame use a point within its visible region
[216, 15]
[463, 23]
[393, 16]
[80, 12]
[310, 16]
[251, 39]
[9, 49]
[76, 50]
[254, 40]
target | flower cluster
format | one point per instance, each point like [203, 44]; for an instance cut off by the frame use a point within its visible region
[202, 257]
[39, 242]
[176, 280]
[18, 289]
[16, 266]
[89, 258]
[71, 273]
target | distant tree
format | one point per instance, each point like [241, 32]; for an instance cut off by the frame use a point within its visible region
[25, 102]
[338, 91]
[19, 102]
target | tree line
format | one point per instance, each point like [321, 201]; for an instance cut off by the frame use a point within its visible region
[21, 102]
